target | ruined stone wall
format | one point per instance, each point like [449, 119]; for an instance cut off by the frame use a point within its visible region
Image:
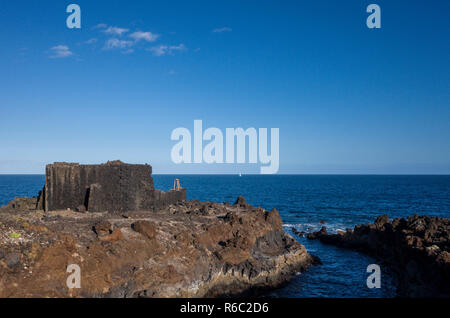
[111, 187]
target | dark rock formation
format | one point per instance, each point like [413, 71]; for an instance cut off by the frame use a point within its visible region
[417, 248]
[298, 233]
[111, 187]
[240, 201]
[318, 234]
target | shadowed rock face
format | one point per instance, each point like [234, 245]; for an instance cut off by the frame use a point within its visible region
[112, 187]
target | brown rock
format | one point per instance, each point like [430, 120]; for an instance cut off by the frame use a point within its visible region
[146, 228]
[273, 217]
[103, 228]
[81, 209]
[381, 221]
[240, 201]
[116, 235]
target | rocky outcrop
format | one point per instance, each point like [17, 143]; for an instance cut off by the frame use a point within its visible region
[187, 249]
[417, 248]
[111, 187]
[22, 204]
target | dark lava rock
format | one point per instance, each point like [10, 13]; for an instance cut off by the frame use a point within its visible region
[114, 186]
[417, 248]
[12, 259]
[381, 220]
[297, 232]
[318, 234]
[240, 201]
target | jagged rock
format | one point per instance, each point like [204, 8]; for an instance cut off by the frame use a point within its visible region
[228, 251]
[297, 232]
[240, 201]
[417, 248]
[381, 220]
[23, 204]
[274, 218]
[318, 234]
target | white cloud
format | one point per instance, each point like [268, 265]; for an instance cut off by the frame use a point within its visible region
[60, 51]
[161, 50]
[180, 47]
[91, 41]
[117, 44]
[221, 30]
[100, 26]
[115, 30]
[146, 36]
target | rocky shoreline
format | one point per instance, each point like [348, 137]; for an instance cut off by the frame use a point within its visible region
[129, 239]
[187, 249]
[417, 248]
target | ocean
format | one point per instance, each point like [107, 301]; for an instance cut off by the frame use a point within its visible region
[342, 201]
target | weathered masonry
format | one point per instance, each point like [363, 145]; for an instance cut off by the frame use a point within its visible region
[110, 187]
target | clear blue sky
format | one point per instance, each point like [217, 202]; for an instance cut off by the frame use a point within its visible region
[347, 99]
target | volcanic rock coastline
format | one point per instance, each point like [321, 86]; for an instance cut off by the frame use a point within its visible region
[417, 248]
[154, 245]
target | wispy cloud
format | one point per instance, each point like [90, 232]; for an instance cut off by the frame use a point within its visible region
[146, 36]
[115, 30]
[161, 50]
[60, 51]
[91, 41]
[114, 43]
[221, 30]
[99, 26]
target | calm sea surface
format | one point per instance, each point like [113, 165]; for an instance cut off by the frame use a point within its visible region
[304, 200]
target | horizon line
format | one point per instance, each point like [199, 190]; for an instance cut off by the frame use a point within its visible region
[258, 174]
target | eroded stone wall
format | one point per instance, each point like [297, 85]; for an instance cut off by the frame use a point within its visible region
[111, 187]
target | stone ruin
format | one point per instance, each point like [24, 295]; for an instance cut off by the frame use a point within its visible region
[110, 187]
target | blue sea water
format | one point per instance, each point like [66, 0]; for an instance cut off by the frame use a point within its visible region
[342, 201]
